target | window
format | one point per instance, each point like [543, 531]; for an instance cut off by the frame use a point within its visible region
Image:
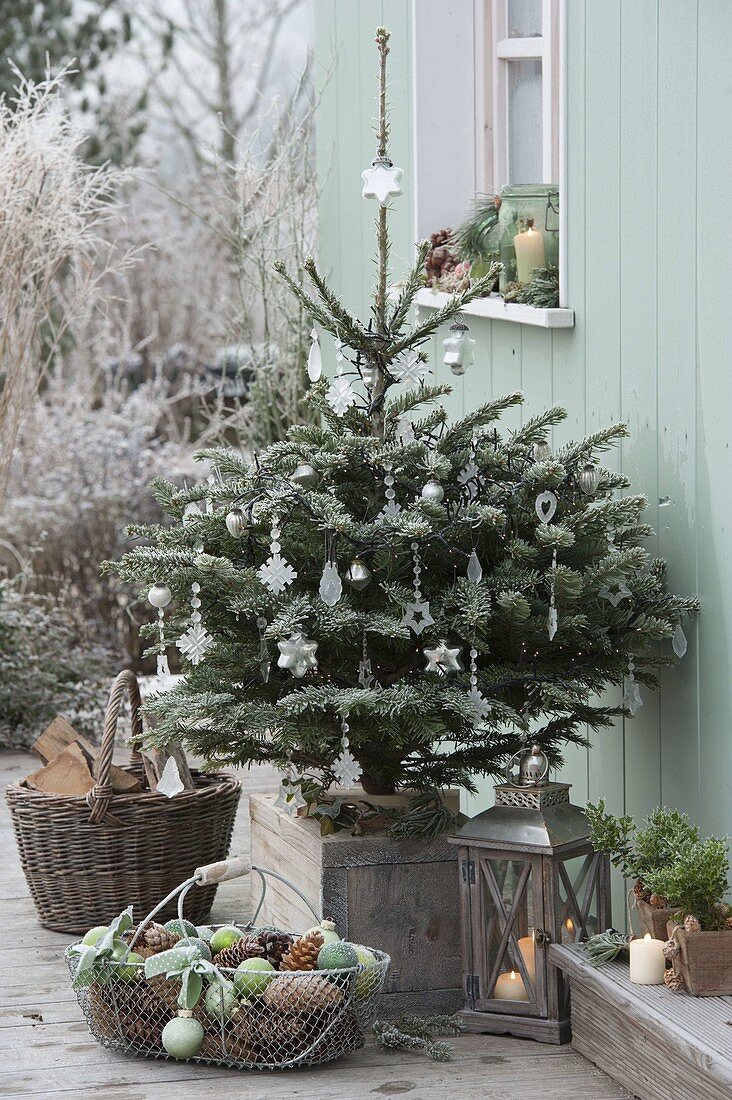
[518, 92]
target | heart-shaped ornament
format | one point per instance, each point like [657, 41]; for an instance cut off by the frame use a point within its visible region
[546, 506]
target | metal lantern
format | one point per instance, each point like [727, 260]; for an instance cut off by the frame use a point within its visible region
[529, 877]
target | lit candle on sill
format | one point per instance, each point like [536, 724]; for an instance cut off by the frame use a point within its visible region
[527, 949]
[647, 963]
[529, 252]
[568, 931]
[509, 987]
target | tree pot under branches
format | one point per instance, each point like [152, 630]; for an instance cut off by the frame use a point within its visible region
[399, 895]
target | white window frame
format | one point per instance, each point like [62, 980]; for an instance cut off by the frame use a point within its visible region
[492, 87]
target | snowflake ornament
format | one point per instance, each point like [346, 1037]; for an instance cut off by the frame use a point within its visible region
[346, 769]
[479, 703]
[381, 181]
[195, 643]
[298, 654]
[340, 395]
[410, 369]
[276, 573]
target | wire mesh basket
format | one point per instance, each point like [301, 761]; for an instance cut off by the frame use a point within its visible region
[272, 1020]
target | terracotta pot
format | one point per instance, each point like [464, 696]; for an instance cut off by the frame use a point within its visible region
[704, 961]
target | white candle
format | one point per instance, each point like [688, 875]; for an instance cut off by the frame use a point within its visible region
[647, 963]
[509, 987]
[529, 253]
[527, 947]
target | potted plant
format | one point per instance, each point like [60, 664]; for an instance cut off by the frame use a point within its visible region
[681, 882]
[640, 852]
[385, 598]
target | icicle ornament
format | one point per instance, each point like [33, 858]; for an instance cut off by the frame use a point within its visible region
[315, 357]
[475, 569]
[632, 699]
[365, 672]
[553, 622]
[679, 642]
[264, 662]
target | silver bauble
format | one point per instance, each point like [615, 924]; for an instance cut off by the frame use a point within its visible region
[236, 523]
[589, 479]
[358, 575]
[304, 475]
[433, 491]
[160, 595]
[542, 450]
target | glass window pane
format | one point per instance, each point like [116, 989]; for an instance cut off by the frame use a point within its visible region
[577, 899]
[524, 121]
[524, 18]
[502, 882]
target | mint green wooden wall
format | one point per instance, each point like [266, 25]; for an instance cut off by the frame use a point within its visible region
[650, 278]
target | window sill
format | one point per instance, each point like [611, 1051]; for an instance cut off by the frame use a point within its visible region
[496, 309]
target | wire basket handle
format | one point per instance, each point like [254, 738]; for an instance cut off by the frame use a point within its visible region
[101, 794]
[223, 871]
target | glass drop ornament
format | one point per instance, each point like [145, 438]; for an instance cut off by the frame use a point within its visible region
[304, 475]
[315, 357]
[589, 479]
[358, 575]
[433, 491]
[160, 595]
[331, 585]
[236, 523]
[679, 642]
[475, 569]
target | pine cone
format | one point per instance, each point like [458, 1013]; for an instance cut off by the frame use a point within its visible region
[303, 954]
[673, 981]
[156, 938]
[728, 924]
[133, 1009]
[274, 944]
[166, 990]
[248, 947]
[692, 924]
[639, 890]
[671, 949]
[658, 902]
[302, 993]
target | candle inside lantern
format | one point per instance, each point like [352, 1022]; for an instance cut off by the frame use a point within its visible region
[509, 987]
[647, 963]
[527, 949]
[529, 252]
[568, 931]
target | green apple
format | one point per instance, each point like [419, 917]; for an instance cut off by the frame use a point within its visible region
[220, 999]
[224, 937]
[95, 934]
[252, 977]
[132, 968]
[364, 982]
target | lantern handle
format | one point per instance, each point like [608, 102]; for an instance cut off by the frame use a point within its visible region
[515, 779]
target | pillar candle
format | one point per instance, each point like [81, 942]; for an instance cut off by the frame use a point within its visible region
[527, 947]
[647, 963]
[509, 987]
[529, 253]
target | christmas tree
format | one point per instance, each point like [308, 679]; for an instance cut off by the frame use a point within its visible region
[388, 597]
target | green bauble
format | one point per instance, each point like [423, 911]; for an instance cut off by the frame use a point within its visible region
[365, 984]
[220, 999]
[224, 937]
[184, 928]
[326, 928]
[182, 1037]
[204, 951]
[132, 968]
[252, 977]
[95, 934]
[337, 956]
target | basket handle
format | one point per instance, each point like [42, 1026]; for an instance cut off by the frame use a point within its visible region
[101, 794]
[225, 869]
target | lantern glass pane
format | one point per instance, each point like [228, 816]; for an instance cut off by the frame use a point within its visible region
[577, 898]
[510, 960]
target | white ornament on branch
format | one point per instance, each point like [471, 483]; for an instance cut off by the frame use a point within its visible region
[346, 769]
[276, 573]
[475, 569]
[340, 395]
[298, 654]
[410, 369]
[479, 703]
[615, 591]
[417, 612]
[632, 698]
[443, 660]
[315, 357]
[381, 181]
[331, 585]
[365, 673]
[679, 642]
[546, 506]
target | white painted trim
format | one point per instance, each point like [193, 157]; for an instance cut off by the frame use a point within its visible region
[564, 227]
[496, 309]
[547, 72]
[508, 49]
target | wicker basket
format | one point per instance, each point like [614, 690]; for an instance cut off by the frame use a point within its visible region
[299, 1018]
[86, 858]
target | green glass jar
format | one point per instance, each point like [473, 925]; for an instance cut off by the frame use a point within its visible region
[528, 208]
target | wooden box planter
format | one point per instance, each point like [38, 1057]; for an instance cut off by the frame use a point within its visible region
[653, 921]
[704, 961]
[399, 896]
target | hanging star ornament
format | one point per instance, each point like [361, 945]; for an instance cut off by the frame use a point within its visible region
[381, 181]
[195, 643]
[340, 395]
[632, 699]
[298, 654]
[615, 591]
[443, 660]
[417, 616]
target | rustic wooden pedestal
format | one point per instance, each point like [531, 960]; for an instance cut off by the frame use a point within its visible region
[399, 896]
[659, 1045]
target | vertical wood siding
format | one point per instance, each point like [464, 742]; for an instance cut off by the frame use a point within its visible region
[650, 280]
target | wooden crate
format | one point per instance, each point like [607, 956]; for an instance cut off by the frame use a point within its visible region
[659, 1045]
[704, 962]
[653, 921]
[399, 896]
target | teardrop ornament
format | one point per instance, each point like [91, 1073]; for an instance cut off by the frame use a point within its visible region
[679, 642]
[315, 358]
[475, 569]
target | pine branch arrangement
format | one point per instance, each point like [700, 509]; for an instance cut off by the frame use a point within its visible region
[418, 1033]
[444, 517]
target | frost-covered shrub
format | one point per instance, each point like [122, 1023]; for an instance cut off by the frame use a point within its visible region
[49, 663]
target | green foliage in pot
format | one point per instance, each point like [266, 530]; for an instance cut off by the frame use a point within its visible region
[639, 852]
[695, 881]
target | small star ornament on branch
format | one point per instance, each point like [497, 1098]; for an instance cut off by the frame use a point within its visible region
[443, 660]
[290, 797]
[298, 654]
[410, 369]
[382, 181]
[417, 612]
[615, 591]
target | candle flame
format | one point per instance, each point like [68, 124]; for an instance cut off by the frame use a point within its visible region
[647, 936]
[569, 924]
[513, 975]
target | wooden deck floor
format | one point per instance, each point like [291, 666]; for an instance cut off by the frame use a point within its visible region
[46, 1050]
